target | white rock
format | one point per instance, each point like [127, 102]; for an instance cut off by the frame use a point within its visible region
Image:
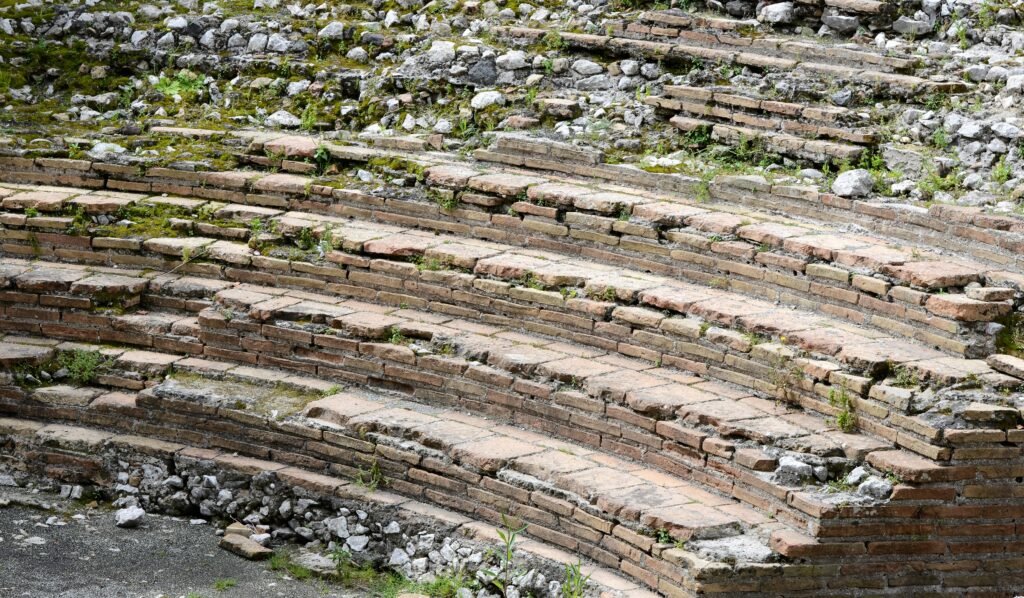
[853, 183]
[441, 53]
[283, 119]
[332, 31]
[875, 487]
[487, 98]
[778, 13]
[516, 59]
[129, 517]
[1006, 130]
[587, 67]
[357, 543]
[398, 558]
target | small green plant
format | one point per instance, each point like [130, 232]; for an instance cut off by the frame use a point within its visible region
[306, 240]
[31, 212]
[838, 486]
[184, 84]
[508, 535]
[223, 585]
[282, 561]
[448, 584]
[704, 326]
[371, 479]
[575, 582]
[397, 338]
[845, 420]
[322, 158]
[940, 139]
[531, 96]
[83, 366]
[530, 281]
[309, 117]
[553, 40]
[904, 377]
[447, 202]
[1001, 171]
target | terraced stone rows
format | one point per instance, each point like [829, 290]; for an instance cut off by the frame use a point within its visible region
[895, 84]
[730, 32]
[794, 262]
[74, 453]
[571, 496]
[921, 471]
[643, 332]
[719, 32]
[768, 114]
[777, 133]
[747, 256]
[618, 436]
[607, 385]
[391, 421]
[970, 231]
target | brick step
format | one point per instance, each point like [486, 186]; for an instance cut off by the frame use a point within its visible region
[988, 237]
[889, 84]
[694, 418]
[753, 35]
[814, 150]
[570, 496]
[872, 15]
[722, 103]
[739, 251]
[921, 475]
[548, 279]
[812, 381]
[246, 420]
[74, 454]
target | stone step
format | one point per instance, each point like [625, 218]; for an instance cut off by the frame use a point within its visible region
[361, 428]
[568, 495]
[39, 445]
[750, 33]
[986, 236]
[838, 124]
[815, 379]
[815, 150]
[855, 277]
[891, 84]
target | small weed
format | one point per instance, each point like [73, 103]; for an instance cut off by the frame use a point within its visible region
[845, 420]
[575, 582]
[371, 479]
[83, 366]
[447, 203]
[508, 535]
[223, 585]
[904, 377]
[397, 338]
[1001, 171]
[282, 561]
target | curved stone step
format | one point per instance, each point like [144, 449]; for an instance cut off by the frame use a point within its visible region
[263, 305]
[780, 257]
[35, 442]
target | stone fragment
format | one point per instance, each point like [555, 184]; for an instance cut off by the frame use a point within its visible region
[245, 547]
[129, 517]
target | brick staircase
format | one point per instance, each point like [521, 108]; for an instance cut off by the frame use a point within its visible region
[631, 372]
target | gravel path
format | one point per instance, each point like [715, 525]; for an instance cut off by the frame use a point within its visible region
[82, 554]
